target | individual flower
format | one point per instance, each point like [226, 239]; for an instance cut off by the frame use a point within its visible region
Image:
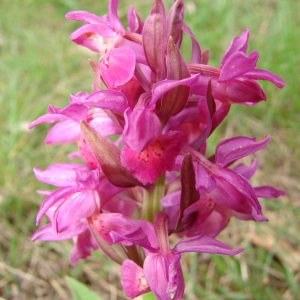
[67, 129]
[161, 270]
[79, 231]
[77, 197]
[106, 36]
[235, 80]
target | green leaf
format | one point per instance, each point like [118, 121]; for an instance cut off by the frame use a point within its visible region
[80, 291]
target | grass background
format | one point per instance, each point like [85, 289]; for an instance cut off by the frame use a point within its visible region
[40, 66]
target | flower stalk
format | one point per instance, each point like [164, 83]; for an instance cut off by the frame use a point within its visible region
[151, 200]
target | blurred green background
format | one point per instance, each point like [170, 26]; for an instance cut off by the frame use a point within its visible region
[40, 66]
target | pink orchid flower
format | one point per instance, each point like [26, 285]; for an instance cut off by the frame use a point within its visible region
[106, 36]
[77, 198]
[235, 80]
[79, 231]
[161, 270]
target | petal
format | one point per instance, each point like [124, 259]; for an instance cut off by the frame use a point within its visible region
[46, 233]
[246, 171]
[197, 213]
[134, 21]
[115, 228]
[268, 191]
[88, 180]
[63, 174]
[230, 150]
[156, 159]
[103, 123]
[55, 198]
[235, 192]
[78, 206]
[265, 75]
[204, 180]
[142, 127]
[106, 99]
[196, 51]
[239, 43]
[47, 118]
[237, 65]
[84, 243]
[204, 244]
[117, 66]
[91, 36]
[113, 16]
[239, 91]
[213, 224]
[73, 111]
[171, 205]
[84, 16]
[164, 275]
[164, 86]
[63, 132]
[133, 280]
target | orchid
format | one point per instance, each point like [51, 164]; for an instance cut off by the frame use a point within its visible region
[145, 181]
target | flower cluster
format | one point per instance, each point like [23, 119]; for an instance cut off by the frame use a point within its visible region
[142, 134]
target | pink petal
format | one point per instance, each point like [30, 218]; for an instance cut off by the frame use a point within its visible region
[239, 43]
[46, 233]
[204, 244]
[55, 198]
[78, 206]
[47, 118]
[237, 65]
[117, 66]
[133, 280]
[164, 276]
[239, 91]
[164, 86]
[90, 35]
[197, 213]
[73, 111]
[230, 150]
[268, 191]
[134, 21]
[113, 16]
[84, 243]
[235, 192]
[67, 131]
[156, 159]
[142, 127]
[265, 75]
[84, 16]
[106, 99]
[63, 174]
[213, 224]
[246, 171]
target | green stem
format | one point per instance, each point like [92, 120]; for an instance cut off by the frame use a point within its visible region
[149, 296]
[152, 197]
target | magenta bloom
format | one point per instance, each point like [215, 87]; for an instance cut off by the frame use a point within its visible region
[105, 35]
[76, 199]
[162, 270]
[84, 241]
[235, 80]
